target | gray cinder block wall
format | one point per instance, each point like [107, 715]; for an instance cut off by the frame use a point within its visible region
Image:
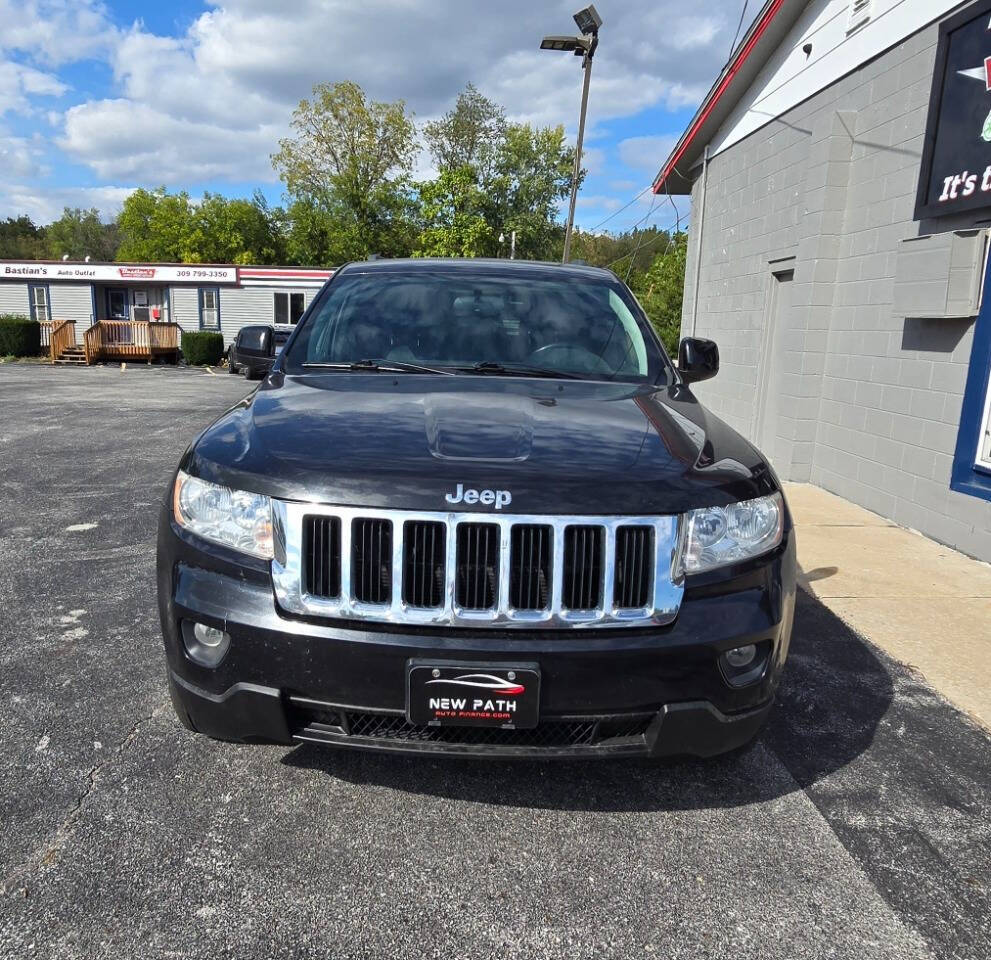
[869, 399]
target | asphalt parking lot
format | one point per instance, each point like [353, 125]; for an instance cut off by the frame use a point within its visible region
[859, 826]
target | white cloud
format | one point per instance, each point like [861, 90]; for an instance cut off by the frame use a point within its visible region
[121, 139]
[215, 100]
[55, 31]
[587, 201]
[593, 160]
[45, 204]
[646, 153]
[19, 83]
[19, 157]
[211, 103]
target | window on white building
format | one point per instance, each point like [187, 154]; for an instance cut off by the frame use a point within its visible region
[39, 303]
[209, 308]
[860, 13]
[289, 307]
[984, 441]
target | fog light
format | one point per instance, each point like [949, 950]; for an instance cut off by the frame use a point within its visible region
[208, 636]
[746, 664]
[204, 644]
[738, 657]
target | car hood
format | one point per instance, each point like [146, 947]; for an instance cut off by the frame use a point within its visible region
[405, 441]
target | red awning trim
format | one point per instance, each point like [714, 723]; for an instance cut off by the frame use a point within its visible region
[727, 79]
[276, 273]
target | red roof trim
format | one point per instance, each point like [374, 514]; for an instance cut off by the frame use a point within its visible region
[727, 79]
[276, 273]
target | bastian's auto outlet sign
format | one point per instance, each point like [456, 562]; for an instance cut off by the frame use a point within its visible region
[956, 159]
[118, 272]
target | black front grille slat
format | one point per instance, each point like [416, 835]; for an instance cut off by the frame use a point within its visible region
[477, 566]
[424, 560]
[583, 567]
[322, 557]
[530, 567]
[634, 561]
[551, 733]
[371, 560]
[566, 577]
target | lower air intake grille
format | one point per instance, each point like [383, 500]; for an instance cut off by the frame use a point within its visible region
[424, 552]
[530, 567]
[582, 587]
[371, 563]
[333, 723]
[322, 556]
[478, 566]
[634, 556]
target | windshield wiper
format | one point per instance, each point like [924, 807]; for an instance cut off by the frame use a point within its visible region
[518, 370]
[377, 366]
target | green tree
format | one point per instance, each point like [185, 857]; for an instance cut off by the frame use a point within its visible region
[231, 231]
[80, 233]
[352, 157]
[155, 226]
[661, 291]
[531, 175]
[616, 250]
[20, 239]
[467, 135]
[453, 211]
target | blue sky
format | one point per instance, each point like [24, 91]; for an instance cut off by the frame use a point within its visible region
[99, 98]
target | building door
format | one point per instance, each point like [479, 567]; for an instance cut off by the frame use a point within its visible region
[770, 382]
[117, 308]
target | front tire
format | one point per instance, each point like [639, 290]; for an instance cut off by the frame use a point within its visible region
[231, 365]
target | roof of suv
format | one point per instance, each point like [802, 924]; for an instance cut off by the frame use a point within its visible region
[478, 265]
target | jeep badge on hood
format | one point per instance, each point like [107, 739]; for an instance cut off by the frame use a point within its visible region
[501, 498]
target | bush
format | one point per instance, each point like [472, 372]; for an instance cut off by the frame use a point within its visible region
[202, 347]
[19, 336]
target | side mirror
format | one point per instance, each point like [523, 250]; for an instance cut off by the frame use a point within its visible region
[698, 359]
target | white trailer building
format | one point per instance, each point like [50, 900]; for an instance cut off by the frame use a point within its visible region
[137, 305]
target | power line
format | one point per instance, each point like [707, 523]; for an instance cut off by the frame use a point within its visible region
[736, 35]
[636, 249]
[616, 213]
[649, 243]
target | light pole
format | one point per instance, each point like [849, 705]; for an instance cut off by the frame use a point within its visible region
[584, 46]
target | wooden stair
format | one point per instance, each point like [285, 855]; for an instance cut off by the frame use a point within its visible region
[74, 355]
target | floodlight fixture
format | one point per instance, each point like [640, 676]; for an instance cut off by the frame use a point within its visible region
[588, 20]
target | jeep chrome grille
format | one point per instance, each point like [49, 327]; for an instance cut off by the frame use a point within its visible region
[474, 569]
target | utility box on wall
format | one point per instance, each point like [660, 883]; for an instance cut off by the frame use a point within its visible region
[939, 276]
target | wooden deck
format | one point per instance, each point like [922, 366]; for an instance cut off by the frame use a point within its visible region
[113, 340]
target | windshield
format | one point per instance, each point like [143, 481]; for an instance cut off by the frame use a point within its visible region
[482, 322]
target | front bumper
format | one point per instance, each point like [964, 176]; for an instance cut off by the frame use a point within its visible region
[653, 692]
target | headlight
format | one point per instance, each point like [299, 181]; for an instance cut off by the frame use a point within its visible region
[232, 517]
[716, 536]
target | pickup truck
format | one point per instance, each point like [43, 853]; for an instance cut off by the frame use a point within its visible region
[474, 508]
[255, 348]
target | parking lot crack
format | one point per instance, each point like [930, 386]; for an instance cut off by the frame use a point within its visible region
[48, 852]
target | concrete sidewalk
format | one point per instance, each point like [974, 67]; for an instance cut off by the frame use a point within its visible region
[924, 604]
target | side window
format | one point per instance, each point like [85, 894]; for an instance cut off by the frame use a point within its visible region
[38, 295]
[296, 307]
[252, 338]
[984, 441]
[289, 307]
[281, 308]
[209, 308]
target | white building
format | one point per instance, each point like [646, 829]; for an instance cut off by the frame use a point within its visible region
[194, 296]
[840, 175]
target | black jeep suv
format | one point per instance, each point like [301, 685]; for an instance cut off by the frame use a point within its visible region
[475, 509]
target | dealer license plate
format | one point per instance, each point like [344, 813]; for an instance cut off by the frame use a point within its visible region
[448, 693]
